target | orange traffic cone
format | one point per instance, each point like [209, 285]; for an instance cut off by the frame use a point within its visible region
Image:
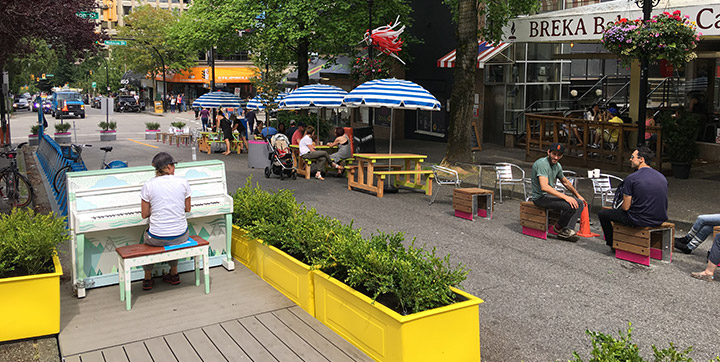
[585, 223]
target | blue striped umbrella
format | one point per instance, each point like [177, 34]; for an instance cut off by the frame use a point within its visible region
[217, 99]
[392, 93]
[314, 96]
[257, 102]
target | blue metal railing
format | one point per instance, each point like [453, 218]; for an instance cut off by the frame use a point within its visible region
[52, 158]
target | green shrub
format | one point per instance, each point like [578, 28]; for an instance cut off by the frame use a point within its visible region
[34, 129]
[178, 124]
[107, 125]
[408, 280]
[29, 241]
[608, 348]
[152, 125]
[62, 127]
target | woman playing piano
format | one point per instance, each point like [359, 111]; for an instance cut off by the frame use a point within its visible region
[165, 199]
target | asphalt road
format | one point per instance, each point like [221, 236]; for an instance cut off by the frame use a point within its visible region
[540, 296]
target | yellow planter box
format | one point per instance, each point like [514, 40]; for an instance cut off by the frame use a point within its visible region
[30, 305]
[450, 333]
[285, 273]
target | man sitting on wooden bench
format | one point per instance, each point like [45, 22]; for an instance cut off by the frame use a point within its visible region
[645, 197]
[545, 173]
[165, 199]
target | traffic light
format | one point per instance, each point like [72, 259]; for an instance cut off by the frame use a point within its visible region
[43, 76]
[109, 10]
[206, 74]
[90, 71]
[32, 76]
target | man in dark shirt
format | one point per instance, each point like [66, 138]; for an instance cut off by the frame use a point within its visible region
[291, 130]
[645, 198]
[250, 118]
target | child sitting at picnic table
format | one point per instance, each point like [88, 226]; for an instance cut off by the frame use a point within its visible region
[308, 152]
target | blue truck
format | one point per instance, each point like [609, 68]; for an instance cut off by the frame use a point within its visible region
[67, 102]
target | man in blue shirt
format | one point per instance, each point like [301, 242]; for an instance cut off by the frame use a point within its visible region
[645, 198]
[546, 171]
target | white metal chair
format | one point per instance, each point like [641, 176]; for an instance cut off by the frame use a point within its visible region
[509, 174]
[604, 189]
[444, 176]
[570, 175]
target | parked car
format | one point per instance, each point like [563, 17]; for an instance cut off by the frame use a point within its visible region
[21, 103]
[126, 103]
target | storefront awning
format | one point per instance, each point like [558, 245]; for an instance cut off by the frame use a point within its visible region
[587, 23]
[202, 74]
[485, 53]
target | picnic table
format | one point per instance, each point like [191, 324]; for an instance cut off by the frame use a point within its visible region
[302, 165]
[373, 168]
[207, 139]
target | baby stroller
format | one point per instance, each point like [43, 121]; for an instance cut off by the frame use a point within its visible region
[281, 161]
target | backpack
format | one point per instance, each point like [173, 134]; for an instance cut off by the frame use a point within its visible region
[619, 196]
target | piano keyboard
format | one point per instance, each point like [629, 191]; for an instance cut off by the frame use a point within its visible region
[137, 213]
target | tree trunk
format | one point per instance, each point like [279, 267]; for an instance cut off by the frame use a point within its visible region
[302, 59]
[461, 98]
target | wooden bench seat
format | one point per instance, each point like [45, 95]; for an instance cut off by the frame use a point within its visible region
[536, 221]
[304, 166]
[639, 244]
[471, 201]
[136, 255]
[406, 181]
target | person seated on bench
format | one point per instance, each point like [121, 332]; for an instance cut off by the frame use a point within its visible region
[308, 152]
[343, 144]
[298, 134]
[712, 262]
[545, 173]
[165, 199]
[645, 197]
[703, 227]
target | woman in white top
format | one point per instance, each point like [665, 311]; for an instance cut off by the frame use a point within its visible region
[308, 152]
[164, 200]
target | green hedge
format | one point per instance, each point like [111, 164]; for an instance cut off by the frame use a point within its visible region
[408, 280]
[29, 241]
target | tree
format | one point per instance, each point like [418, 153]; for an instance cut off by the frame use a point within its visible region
[495, 14]
[147, 30]
[285, 30]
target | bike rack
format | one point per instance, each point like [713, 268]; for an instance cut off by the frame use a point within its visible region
[52, 158]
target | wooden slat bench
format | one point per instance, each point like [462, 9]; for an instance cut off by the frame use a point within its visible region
[535, 220]
[404, 179]
[469, 201]
[639, 244]
[304, 166]
[130, 256]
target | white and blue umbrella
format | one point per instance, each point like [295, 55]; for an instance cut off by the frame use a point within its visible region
[314, 96]
[257, 102]
[394, 94]
[217, 99]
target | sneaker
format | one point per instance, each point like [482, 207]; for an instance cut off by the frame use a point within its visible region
[147, 284]
[567, 234]
[172, 279]
[682, 247]
[594, 145]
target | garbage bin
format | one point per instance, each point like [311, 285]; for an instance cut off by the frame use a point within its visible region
[364, 140]
[158, 106]
[258, 154]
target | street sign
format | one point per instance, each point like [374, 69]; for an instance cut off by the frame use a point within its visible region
[49, 75]
[87, 14]
[94, 85]
[115, 42]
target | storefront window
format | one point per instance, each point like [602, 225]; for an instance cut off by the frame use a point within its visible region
[543, 92]
[515, 96]
[542, 51]
[518, 73]
[543, 72]
[519, 51]
[494, 73]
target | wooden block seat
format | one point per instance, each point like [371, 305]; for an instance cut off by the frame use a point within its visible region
[471, 201]
[639, 244]
[130, 256]
[535, 220]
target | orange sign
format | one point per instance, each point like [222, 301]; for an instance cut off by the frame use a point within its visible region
[201, 74]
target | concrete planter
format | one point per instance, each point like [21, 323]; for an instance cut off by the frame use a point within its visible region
[63, 138]
[33, 140]
[110, 135]
[30, 305]
[150, 134]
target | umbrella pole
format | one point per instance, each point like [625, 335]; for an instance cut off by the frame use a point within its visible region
[390, 186]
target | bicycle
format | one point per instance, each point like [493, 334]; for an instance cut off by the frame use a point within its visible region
[14, 186]
[75, 154]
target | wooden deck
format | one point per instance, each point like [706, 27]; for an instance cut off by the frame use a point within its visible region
[242, 319]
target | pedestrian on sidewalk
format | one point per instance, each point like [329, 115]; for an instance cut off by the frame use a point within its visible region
[204, 118]
[702, 228]
[173, 101]
[645, 197]
[546, 171]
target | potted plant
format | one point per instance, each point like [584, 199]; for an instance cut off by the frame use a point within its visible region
[152, 129]
[30, 274]
[178, 127]
[61, 133]
[107, 131]
[33, 136]
[392, 302]
[679, 133]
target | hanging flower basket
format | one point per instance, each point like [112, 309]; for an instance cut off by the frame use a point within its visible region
[672, 37]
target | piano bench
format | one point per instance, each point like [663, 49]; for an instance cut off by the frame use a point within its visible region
[130, 256]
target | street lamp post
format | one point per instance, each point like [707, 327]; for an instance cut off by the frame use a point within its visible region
[646, 6]
[107, 99]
